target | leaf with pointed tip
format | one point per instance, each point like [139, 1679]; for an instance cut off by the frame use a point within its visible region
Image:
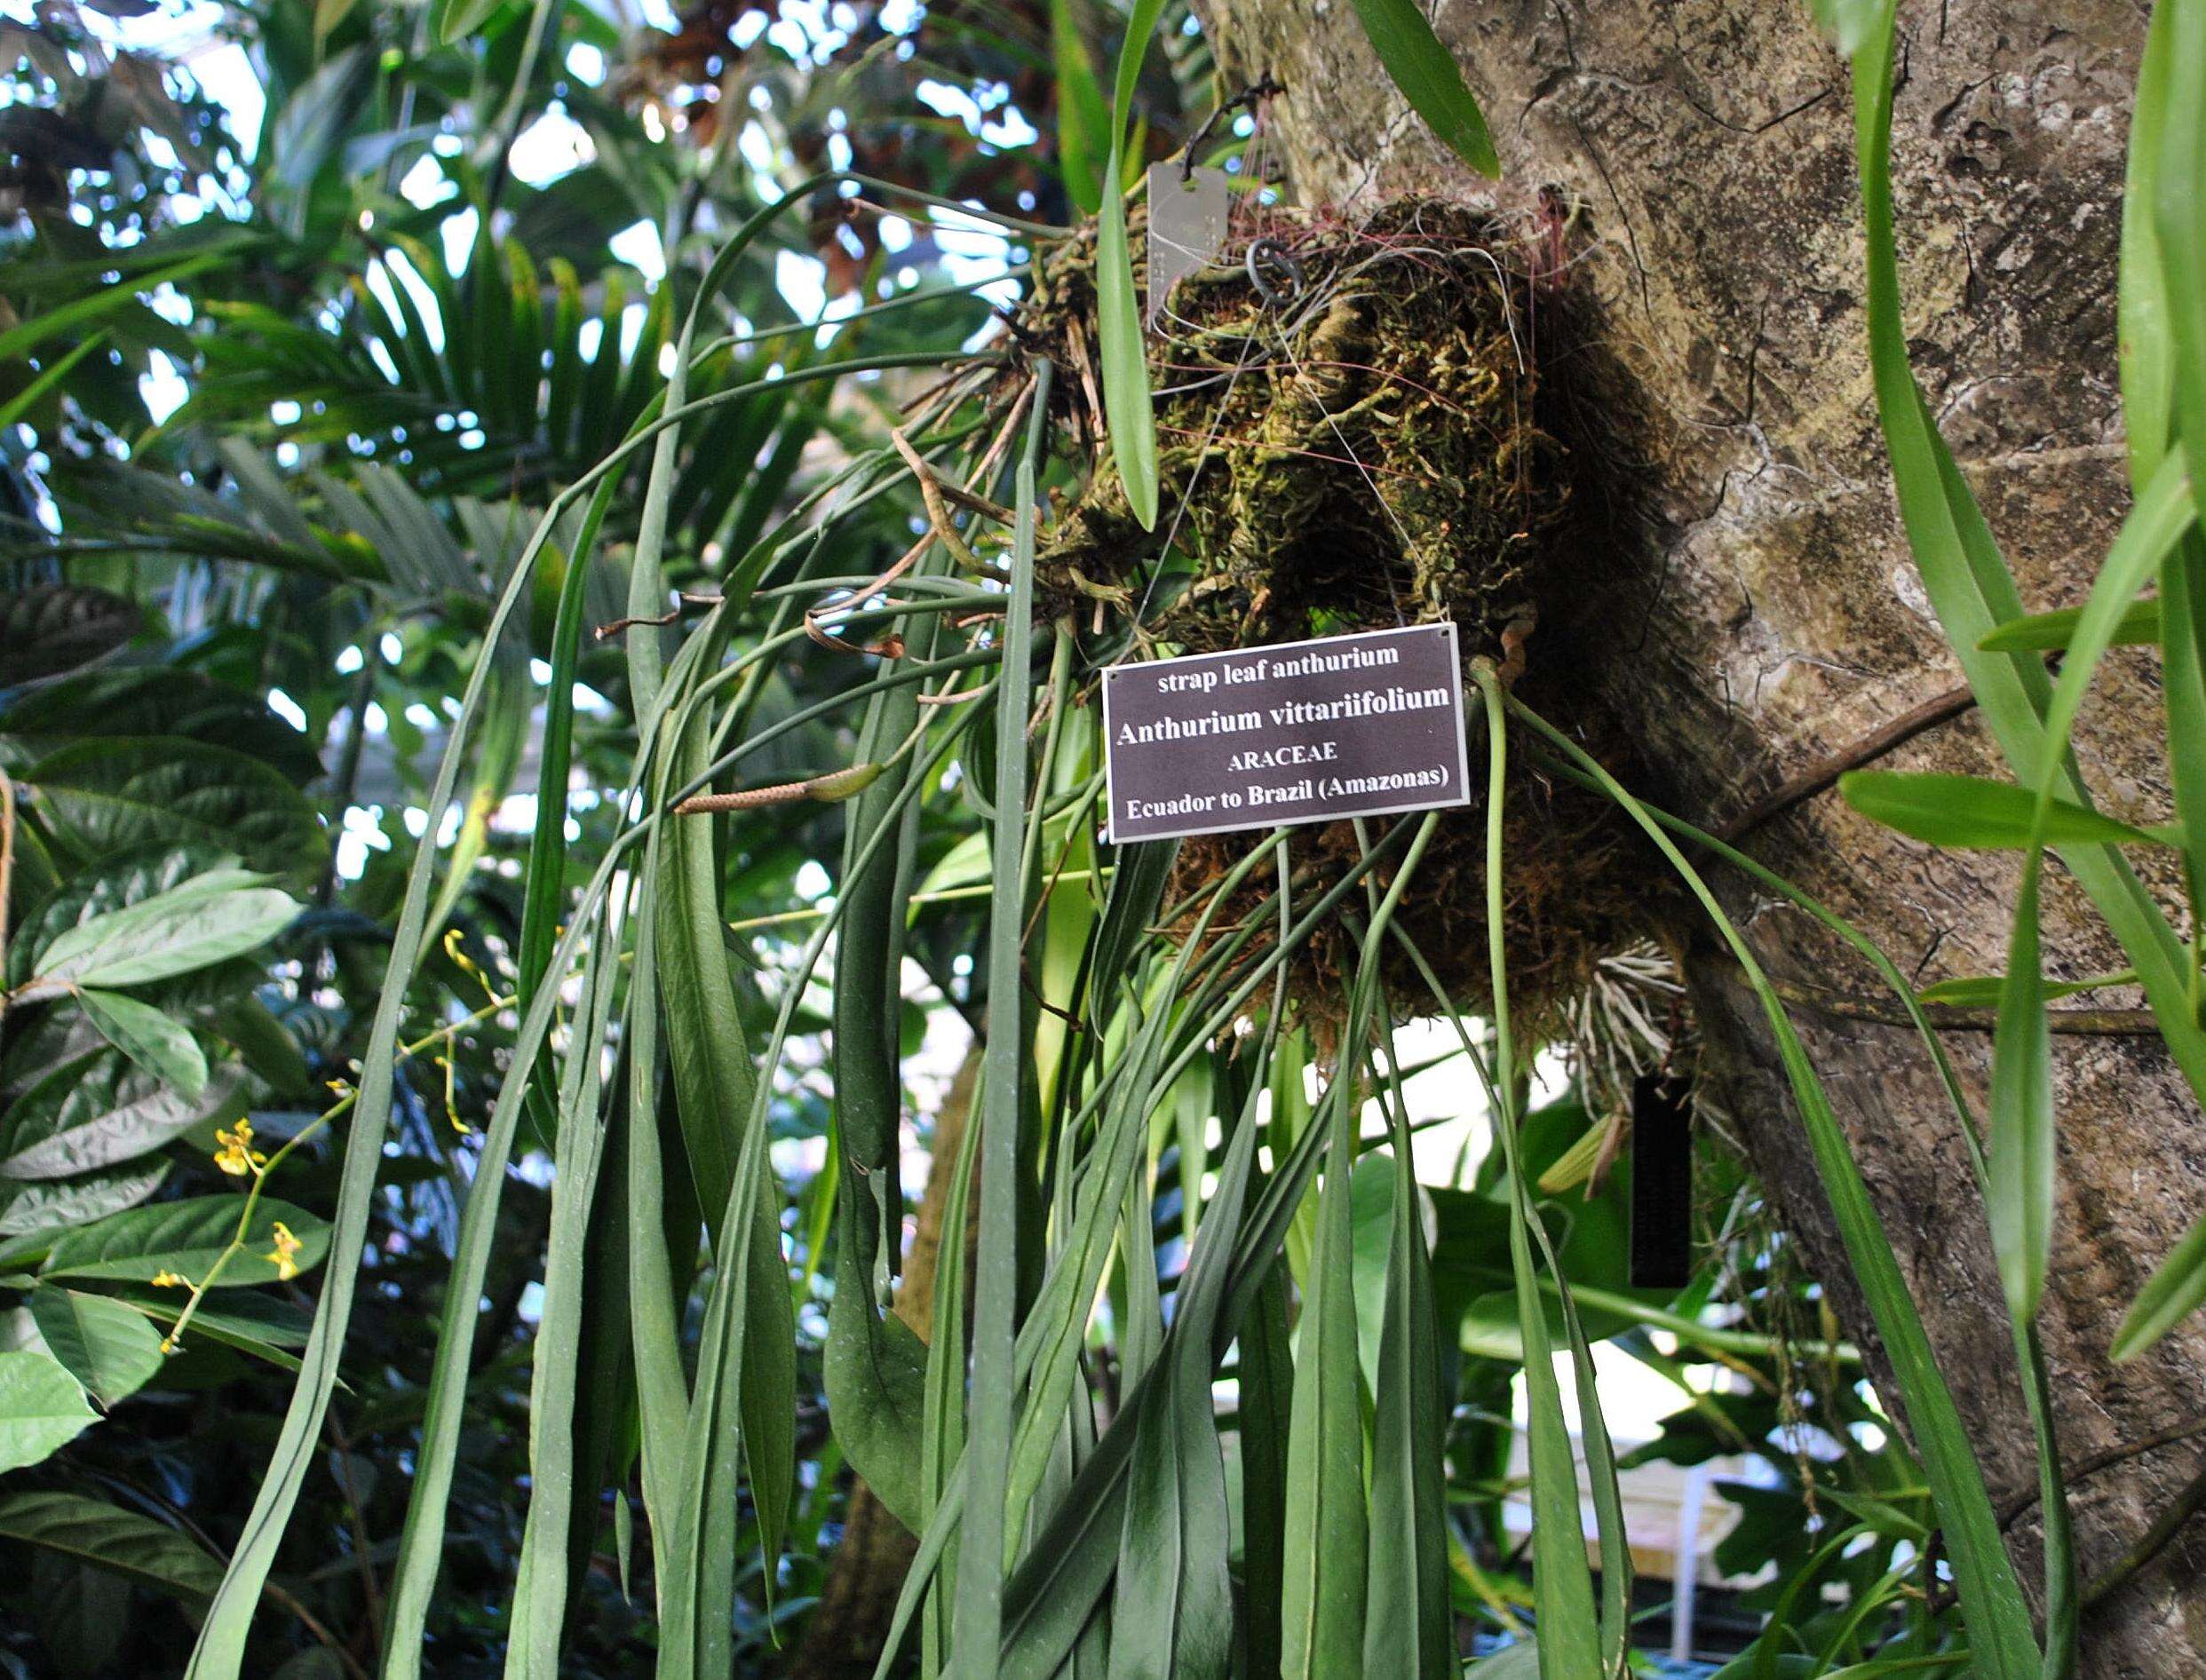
[1429, 78]
[104, 1344]
[130, 1544]
[1970, 811]
[305, 131]
[2047, 633]
[100, 1110]
[1981, 991]
[41, 1408]
[2174, 1291]
[204, 921]
[185, 1239]
[158, 1044]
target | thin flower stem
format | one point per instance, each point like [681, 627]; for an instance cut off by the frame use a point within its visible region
[262, 1170]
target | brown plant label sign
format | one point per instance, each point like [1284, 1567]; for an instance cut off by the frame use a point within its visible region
[1360, 725]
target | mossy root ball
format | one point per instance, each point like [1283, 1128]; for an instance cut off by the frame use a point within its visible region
[1350, 436]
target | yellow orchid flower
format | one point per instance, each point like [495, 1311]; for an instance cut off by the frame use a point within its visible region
[284, 1256]
[237, 1154]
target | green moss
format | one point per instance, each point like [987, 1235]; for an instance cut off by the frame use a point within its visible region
[1364, 452]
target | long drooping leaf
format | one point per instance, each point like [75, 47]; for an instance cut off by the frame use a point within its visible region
[1969, 584]
[540, 1588]
[1084, 122]
[1267, 1413]
[714, 1080]
[1991, 1600]
[1128, 411]
[2061, 1564]
[944, 1418]
[1071, 1562]
[505, 733]
[1409, 1623]
[1173, 1614]
[2148, 358]
[2181, 232]
[1562, 1586]
[1427, 75]
[2022, 1147]
[874, 1368]
[1073, 1559]
[421, 1542]
[219, 1651]
[694, 1628]
[222, 1637]
[2177, 194]
[977, 1626]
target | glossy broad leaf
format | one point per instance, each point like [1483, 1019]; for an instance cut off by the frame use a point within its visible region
[109, 794]
[107, 1537]
[41, 1408]
[186, 1239]
[104, 1344]
[205, 920]
[55, 1204]
[99, 1111]
[57, 627]
[158, 1044]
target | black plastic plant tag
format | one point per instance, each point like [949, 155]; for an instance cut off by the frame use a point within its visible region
[1358, 726]
[1661, 1183]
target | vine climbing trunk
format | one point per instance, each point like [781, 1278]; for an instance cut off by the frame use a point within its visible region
[1753, 612]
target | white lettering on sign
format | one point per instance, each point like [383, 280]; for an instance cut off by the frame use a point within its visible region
[1353, 725]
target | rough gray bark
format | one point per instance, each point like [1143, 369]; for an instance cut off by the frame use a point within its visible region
[1704, 146]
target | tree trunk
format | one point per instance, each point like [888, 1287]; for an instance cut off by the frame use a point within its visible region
[1761, 613]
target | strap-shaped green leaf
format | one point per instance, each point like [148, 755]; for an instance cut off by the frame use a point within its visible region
[1958, 811]
[1429, 78]
[1129, 413]
[1992, 1605]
